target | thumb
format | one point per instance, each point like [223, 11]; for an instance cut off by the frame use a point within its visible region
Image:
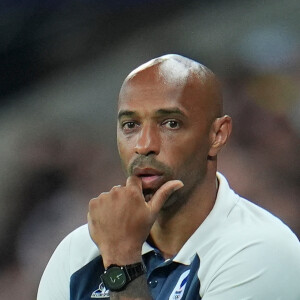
[163, 193]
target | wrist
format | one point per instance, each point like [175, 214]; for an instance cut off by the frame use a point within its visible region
[121, 259]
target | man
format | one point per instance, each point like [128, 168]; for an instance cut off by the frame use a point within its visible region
[175, 230]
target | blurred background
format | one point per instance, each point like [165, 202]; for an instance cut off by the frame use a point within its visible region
[61, 67]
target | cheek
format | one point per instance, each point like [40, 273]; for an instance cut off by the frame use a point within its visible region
[123, 152]
[188, 157]
[126, 152]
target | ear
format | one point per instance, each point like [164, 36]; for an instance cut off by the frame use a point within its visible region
[219, 134]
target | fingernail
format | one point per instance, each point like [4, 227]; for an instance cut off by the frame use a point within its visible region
[178, 186]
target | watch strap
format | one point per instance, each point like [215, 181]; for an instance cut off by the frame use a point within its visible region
[135, 270]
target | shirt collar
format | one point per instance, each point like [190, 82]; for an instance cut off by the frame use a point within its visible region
[200, 238]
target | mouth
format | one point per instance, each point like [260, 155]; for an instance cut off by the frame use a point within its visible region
[152, 179]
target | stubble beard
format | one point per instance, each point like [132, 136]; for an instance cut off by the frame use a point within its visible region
[179, 198]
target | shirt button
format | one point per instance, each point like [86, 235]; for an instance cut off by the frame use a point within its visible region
[153, 283]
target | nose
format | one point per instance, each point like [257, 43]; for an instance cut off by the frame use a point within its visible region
[148, 141]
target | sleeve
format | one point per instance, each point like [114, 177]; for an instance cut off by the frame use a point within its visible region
[263, 268]
[55, 280]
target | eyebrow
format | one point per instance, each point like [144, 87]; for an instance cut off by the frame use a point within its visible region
[126, 113]
[158, 113]
[170, 111]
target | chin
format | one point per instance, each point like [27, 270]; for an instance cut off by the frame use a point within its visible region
[174, 203]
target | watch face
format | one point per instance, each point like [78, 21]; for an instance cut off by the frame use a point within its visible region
[114, 278]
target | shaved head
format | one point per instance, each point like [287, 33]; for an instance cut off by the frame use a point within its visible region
[170, 120]
[176, 70]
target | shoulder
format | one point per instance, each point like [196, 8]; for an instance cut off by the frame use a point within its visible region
[238, 219]
[249, 222]
[244, 249]
[78, 248]
[252, 232]
[263, 264]
[251, 248]
[75, 251]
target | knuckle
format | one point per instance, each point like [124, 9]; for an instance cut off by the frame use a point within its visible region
[93, 204]
[115, 189]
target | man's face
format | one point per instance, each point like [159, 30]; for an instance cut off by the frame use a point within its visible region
[163, 131]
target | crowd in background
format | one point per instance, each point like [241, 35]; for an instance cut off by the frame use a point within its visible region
[58, 145]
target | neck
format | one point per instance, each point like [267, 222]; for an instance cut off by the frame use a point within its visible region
[171, 230]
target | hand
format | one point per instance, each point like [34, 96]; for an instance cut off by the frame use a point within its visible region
[120, 221]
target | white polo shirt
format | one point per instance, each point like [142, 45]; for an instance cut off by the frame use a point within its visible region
[240, 251]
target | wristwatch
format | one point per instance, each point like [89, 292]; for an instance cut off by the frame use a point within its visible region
[115, 278]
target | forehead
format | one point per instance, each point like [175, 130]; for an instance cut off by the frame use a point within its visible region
[160, 86]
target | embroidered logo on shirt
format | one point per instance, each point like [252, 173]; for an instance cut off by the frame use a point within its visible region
[101, 292]
[180, 286]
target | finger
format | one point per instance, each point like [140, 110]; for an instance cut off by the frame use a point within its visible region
[134, 181]
[163, 193]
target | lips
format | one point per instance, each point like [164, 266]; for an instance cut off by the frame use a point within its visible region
[151, 178]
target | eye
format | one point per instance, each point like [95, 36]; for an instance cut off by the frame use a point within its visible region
[171, 124]
[129, 126]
